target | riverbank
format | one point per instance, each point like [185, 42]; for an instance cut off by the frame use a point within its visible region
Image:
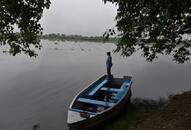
[171, 114]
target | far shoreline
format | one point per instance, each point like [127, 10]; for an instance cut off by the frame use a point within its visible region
[78, 38]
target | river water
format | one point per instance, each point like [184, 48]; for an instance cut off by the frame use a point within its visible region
[39, 90]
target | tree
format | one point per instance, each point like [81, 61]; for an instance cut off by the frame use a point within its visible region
[154, 26]
[23, 15]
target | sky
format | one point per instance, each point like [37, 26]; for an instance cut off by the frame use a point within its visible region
[82, 17]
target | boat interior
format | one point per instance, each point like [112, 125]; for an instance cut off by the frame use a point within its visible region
[101, 95]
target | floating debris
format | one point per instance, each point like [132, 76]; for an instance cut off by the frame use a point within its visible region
[36, 126]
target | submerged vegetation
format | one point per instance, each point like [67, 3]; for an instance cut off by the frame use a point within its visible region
[76, 38]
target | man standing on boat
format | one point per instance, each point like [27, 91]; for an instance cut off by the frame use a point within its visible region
[109, 64]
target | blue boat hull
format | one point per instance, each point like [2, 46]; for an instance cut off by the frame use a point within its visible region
[80, 118]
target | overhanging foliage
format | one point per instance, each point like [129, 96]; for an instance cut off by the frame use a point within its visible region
[23, 15]
[154, 26]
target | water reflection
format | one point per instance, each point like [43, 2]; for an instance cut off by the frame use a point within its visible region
[40, 90]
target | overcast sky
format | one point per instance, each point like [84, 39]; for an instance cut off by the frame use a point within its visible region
[84, 17]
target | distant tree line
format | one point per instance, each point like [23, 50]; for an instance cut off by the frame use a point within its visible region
[154, 26]
[63, 37]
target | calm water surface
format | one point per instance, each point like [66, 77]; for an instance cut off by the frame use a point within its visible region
[39, 90]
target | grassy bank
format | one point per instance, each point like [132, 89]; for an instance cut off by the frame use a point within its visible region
[174, 113]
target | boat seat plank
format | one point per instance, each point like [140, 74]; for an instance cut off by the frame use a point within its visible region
[125, 85]
[79, 110]
[91, 93]
[124, 88]
[96, 102]
[110, 89]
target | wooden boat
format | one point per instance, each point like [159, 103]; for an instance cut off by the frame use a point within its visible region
[100, 101]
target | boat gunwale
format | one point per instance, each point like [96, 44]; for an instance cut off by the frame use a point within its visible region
[104, 111]
[124, 95]
[86, 88]
[99, 116]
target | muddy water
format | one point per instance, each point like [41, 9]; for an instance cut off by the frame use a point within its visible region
[39, 90]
